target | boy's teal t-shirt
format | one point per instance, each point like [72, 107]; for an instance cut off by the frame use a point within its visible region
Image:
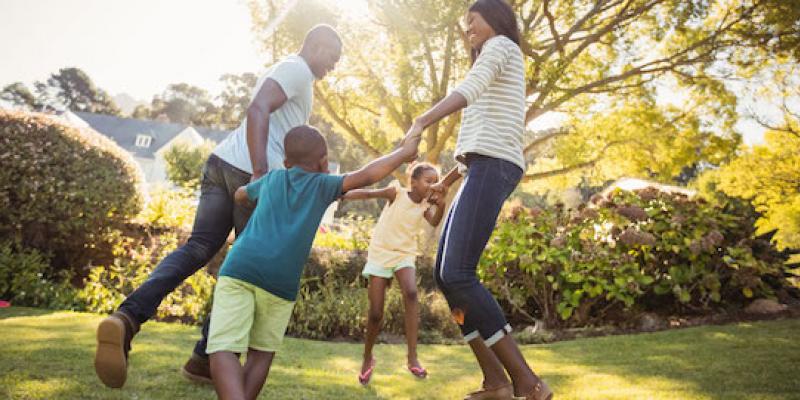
[272, 250]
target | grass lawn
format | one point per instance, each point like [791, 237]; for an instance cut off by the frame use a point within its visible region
[48, 355]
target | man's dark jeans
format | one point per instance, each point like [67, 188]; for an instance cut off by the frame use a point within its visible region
[216, 215]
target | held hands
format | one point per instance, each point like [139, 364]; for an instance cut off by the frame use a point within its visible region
[438, 193]
[410, 143]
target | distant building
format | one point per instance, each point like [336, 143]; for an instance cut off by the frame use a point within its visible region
[147, 141]
[632, 184]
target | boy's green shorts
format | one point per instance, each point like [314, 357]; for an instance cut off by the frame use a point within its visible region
[245, 316]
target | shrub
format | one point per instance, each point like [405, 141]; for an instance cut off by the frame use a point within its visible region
[185, 164]
[62, 187]
[169, 209]
[26, 279]
[106, 286]
[333, 303]
[648, 250]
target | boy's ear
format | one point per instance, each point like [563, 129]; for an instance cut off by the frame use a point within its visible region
[324, 165]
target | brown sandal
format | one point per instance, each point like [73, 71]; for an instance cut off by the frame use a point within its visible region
[540, 392]
[502, 392]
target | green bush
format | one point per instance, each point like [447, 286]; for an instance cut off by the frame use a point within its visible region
[107, 286]
[185, 164]
[646, 250]
[61, 188]
[169, 209]
[332, 301]
[27, 280]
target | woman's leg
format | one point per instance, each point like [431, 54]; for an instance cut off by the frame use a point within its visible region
[407, 279]
[256, 369]
[377, 294]
[493, 373]
[474, 217]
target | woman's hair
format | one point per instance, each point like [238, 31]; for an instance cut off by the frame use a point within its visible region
[499, 15]
[416, 170]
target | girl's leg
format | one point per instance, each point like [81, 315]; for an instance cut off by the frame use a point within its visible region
[377, 294]
[228, 375]
[256, 369]
[407, 279]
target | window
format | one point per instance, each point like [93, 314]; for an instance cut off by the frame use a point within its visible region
[143, 140]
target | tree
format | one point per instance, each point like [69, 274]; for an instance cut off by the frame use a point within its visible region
[185, 164]
[235, 98]
[768, 177]
[19, 95]
[72, 88]
[581, 55]
[181, 103]
[767, 174]
[775, 27]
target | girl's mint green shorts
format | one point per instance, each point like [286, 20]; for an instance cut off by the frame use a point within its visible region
[372, 269]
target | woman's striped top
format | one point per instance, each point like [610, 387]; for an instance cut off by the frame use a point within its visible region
[494, 120]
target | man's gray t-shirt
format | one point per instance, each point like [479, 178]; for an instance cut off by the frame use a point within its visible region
[296, 79]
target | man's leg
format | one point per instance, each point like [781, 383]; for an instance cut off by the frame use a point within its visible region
[213, 222]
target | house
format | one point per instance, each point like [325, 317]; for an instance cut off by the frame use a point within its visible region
[147, 141]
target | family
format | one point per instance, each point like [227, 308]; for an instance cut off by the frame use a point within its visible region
[269, 181]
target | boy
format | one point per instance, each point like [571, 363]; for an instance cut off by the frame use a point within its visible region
[259, 279]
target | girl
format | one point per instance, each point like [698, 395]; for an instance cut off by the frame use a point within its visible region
[489, 151]
[392, 252]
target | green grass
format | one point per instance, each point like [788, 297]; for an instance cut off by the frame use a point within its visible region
[48, 355]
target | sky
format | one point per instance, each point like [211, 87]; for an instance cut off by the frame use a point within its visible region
[140, 47]
[135, 47]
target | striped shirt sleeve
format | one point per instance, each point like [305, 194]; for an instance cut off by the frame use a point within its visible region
[487, 67]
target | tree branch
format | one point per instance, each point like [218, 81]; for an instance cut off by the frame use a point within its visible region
[574, 167]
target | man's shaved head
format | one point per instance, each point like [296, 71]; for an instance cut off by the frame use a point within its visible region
[321, 49]
[322, 35]
[304, 146]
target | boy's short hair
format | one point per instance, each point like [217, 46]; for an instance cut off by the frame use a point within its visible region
[304, 145]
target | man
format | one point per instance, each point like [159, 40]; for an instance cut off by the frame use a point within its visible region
[282, 99]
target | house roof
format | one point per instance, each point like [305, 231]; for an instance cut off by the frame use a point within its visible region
[213, 135]
[125, 130]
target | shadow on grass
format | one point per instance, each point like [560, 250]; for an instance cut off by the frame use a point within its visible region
[47, 355]
[744, 361]
[12, 312]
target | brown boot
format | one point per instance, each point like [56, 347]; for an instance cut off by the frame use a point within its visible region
[114, 335]
[197, 369]
[502, 392]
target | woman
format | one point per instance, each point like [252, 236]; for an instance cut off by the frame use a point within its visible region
[489, 151]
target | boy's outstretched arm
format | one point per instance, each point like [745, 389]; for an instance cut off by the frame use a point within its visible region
[381, 167]
[388, 193]
[241, 198]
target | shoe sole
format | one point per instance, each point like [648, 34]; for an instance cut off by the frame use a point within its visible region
[109, 360]
[196, 378]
